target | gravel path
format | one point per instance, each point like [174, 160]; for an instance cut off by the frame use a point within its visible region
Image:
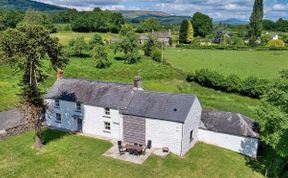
[10, 118]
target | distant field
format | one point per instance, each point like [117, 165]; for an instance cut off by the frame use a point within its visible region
[264, 64]
[65, 37]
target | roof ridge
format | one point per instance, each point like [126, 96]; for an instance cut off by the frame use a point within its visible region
[99, 81]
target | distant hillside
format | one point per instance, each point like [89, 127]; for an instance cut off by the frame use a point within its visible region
[233, 21]
[25, 4]
[137, 16]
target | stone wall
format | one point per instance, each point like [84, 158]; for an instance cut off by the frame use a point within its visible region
[16, 130]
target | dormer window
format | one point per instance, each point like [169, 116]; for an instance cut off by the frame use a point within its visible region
[57, 103]
[78, 106]
[107, 111]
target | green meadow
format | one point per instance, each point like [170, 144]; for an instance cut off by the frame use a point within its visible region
[263, 64]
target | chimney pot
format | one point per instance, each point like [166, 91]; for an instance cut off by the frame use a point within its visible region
[59, 74]
[137, 83]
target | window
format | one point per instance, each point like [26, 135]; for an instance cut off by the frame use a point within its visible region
[57, 103]
[107, 126]
[191, 136]
[58, 117]
[107, 111]
[78, 106]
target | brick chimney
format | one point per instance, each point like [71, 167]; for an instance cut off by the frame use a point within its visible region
[137, 83]
[59, 74]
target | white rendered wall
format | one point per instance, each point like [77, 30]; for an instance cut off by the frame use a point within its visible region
[67, 110]
[244, 145]
[94, 119]
[191, 123]
[164, 134]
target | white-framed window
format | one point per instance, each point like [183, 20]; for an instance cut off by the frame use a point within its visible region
[107, 126]
[58, 117]
[107, 111]
[191, 136]
[57, 103]
[78, 106]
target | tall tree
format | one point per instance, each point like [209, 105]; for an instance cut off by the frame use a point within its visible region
[202, 24]
[27, 47]
[186, 32]
[256, 22]
[273, 117]
[128, 44]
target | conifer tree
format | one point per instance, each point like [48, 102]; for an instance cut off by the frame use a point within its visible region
[186, 32]
[256, 20]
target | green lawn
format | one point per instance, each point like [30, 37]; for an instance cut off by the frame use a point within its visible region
[76, 156]
[264, 64]
[155, 77]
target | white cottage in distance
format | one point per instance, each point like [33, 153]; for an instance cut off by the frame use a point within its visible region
[130, 114]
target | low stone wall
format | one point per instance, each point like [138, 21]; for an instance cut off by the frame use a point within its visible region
[16, 130]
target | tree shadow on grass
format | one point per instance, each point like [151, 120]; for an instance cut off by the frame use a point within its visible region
[50, 135]
[117, 58]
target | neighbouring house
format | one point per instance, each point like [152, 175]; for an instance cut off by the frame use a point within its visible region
[142, 39]
[130, 114]
[162, 37]
[275, 37]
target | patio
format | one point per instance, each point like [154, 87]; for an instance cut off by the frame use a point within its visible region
[137, 159]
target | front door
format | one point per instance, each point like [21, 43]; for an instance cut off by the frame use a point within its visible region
[79, 125]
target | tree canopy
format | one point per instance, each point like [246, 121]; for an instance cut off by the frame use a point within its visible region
[186, 32]
[27, 47]
[148, 25]
[202, 24]
[256, 24]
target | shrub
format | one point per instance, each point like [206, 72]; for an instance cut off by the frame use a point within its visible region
[101, 56]
[209, 78]
[233, 84]
[95, 40]
[132, 57]
[276, 44]
[77, 47]
[156, 55]
[252, 86]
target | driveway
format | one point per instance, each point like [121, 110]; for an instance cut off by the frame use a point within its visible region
[10, 119]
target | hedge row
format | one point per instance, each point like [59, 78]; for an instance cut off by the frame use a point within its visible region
[251, 86]
[230, 47]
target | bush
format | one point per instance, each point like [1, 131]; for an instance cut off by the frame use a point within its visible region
[77, 47]
[276, 44]
[208, 78]
[133, 57]
[156, 55]
[101, 56]
[252, 86]
[95, 40]
[233, 84]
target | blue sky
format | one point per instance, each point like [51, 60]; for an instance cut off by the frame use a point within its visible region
[217, 9]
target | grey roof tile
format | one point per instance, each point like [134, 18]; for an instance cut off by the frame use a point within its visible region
[163, 106]
[228, 122]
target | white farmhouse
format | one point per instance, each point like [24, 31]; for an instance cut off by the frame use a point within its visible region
[130, 114]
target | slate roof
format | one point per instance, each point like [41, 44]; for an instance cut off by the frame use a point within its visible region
[154, 105]
[162, 106]
[162, 34]
[95, 93]
[228, 122]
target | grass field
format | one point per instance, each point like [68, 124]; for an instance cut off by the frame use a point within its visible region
[77, 156]
[65, 37]
[264, 64]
